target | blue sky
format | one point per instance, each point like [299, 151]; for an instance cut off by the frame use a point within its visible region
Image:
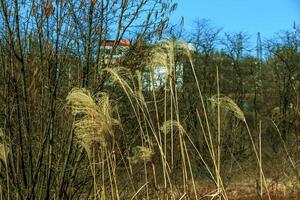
[251, 16]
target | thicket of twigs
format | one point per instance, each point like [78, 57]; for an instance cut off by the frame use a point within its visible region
[164, 121]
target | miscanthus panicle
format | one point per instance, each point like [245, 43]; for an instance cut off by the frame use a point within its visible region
[93, 117]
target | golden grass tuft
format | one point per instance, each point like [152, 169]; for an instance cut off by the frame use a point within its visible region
[163, 55]
[4, 150]
[141, 153]
[171, 124]
[228, 104]
[93, 118]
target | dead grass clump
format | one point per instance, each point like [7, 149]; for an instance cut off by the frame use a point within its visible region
[171, 124]
[228, 105]
[93, 118]
[163, 55]
[141, 153]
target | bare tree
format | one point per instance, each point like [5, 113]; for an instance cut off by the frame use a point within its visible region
[284, 61]
[205, 36]
[47, 47]
[236, 45]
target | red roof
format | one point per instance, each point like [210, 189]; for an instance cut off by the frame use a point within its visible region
[121, 43]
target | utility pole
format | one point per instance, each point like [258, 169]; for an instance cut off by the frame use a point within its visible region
[258, 92]
[296, 40]
[259, 55]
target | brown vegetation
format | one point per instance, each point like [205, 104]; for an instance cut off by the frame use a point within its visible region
[165, 121]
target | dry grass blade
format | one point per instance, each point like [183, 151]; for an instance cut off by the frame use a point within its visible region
[4, 150]
[134, 196]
